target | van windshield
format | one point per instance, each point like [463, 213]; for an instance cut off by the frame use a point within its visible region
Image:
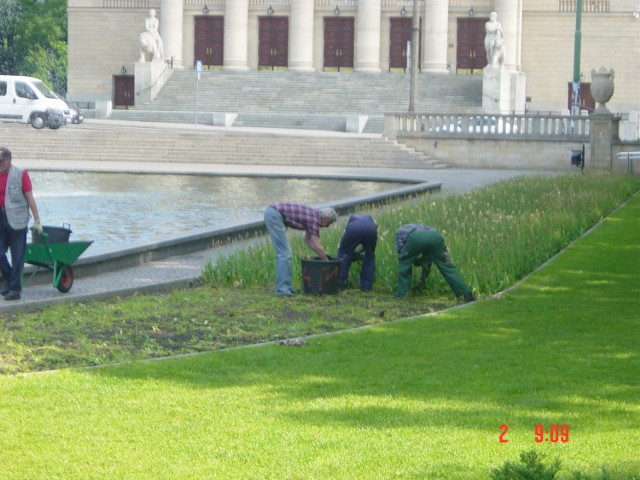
[42, 88]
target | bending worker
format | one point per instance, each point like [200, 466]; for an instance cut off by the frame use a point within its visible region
[279, 216]
[421, 245]
[361, 233]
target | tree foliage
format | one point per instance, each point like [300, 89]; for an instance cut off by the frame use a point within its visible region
[33, 40]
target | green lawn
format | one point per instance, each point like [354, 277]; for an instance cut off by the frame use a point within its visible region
[423, 398]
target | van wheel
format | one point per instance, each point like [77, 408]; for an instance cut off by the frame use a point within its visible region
[37, 121]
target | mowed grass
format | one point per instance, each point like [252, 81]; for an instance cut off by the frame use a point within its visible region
[423, 398]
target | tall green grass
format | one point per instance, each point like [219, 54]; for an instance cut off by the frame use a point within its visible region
[495, 235]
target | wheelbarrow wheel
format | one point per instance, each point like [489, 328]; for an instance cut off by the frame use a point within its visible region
[66, 280]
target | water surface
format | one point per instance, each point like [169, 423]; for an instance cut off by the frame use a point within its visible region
[115, 208]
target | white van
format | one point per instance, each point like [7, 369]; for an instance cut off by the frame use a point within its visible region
[28, 100]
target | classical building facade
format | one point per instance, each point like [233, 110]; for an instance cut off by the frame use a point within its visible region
[360, 36]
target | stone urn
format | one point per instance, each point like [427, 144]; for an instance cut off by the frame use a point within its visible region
[602, 87]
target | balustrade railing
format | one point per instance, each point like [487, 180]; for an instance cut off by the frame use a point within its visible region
[465, 125]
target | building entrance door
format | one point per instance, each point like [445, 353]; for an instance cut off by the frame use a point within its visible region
[274, 43]
[401, 31]
[209, 41]
[123, 87]
[338, 44]
[471, 56]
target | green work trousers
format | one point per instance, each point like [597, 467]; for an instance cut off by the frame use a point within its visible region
[429, 243]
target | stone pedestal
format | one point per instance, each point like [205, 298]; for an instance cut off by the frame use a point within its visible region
[356, 123]
[518, 100]
[224, 119]
[604, 128]
[503, 91]
[103, 108]
[148, 80]
[496, 90]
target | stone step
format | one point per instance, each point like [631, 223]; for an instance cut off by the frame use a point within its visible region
[116, 142]
[304, 100]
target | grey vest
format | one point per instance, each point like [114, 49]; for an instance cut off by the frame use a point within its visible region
[15, 204]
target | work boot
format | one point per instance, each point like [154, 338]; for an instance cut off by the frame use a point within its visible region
[468, 297]
[11, 295]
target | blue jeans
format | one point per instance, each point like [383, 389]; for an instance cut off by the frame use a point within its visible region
[278, 232]
[15, 241]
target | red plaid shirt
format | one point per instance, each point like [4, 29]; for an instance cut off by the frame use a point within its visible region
[299, 216]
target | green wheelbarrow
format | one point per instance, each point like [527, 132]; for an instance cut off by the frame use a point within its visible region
[53, 251]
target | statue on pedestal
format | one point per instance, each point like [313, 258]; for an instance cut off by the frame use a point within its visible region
[494, 41]
[150, 41]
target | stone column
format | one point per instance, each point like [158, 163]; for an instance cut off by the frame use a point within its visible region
[510, 17]
[434, 36]
[368, 36]
[301, 36]
[171, 15]
[236, 20]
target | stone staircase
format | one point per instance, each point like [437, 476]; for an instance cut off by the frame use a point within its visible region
[303, 100]
[108, 140]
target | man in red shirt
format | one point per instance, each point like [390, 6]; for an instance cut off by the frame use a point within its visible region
[16, 198]
[279, 216]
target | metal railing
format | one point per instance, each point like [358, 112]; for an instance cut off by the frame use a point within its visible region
[466, 125]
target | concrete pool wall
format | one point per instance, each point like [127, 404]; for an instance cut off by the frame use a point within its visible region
[139, 252]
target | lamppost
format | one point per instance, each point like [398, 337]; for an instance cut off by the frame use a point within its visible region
[575, 107]
[415, 49]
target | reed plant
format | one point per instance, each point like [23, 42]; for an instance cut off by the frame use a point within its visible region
[496, 235]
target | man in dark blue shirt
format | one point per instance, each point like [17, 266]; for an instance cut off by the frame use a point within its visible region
[361, 231]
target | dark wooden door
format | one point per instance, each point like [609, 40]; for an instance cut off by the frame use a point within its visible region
[123, 87]
[209, 41]
[399, 37]
[471, 56]
[274, 43]
[401, 32]
[338, 43]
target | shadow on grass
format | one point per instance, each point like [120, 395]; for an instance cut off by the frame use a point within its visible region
[563, 342]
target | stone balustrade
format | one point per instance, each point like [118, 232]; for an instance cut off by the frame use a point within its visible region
[474, 125]
[529, 141]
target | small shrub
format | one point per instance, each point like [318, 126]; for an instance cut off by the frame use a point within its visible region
[529, 468]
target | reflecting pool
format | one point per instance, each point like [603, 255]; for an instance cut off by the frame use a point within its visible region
[115, 208]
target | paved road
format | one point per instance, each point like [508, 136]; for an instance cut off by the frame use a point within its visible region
[180, 270]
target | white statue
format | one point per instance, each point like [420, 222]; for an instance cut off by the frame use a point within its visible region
[150, 41]
[494, 41]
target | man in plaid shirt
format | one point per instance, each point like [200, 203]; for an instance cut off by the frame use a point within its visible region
[279, 216]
